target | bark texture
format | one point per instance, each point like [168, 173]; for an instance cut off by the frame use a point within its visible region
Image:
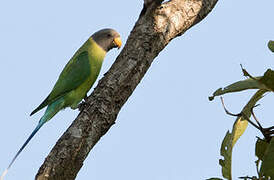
[157, 25]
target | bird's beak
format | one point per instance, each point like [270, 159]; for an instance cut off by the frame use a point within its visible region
[118, 42]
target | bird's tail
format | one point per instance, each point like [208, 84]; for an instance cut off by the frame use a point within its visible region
[50, 112]
[20, 150]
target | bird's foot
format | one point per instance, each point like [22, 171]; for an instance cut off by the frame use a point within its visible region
[86, 98]
[82, 105]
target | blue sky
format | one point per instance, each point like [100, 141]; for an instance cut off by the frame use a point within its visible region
[167, 129]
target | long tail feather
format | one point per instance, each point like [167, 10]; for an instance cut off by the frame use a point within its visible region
[52, 109]
[20, 150]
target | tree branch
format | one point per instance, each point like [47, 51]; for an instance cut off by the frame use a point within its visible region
[157, 25]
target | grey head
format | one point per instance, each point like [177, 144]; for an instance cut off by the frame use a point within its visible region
[107, 39]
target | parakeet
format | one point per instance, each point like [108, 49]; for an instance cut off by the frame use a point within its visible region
[76, 78]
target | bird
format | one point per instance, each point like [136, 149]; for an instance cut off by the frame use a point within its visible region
[76, 79]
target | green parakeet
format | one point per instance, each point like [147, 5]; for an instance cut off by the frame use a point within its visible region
[76, 78]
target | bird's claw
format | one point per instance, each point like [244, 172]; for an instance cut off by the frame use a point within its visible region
[82, 106]
[86, 98]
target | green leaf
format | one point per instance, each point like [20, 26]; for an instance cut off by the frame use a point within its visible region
[271, 45]
[239, 86]
[267, 168]
[241, 123]
[262, 82]
[268, 79]
[239, 128]
[260, 148]
[226, 152]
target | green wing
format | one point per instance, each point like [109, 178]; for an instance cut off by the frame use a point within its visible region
[73, 75]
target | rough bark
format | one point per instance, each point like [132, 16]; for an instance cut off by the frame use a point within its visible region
[157, 25]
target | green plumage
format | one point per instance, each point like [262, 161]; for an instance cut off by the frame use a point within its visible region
[76, 78]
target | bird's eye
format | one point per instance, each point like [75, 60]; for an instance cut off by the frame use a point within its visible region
[108, 35]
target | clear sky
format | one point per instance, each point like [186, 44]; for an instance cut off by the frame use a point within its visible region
[167, 129]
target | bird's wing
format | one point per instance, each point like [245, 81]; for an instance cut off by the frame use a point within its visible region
[73, 75]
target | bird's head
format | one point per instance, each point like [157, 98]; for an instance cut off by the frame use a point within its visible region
[107, 39]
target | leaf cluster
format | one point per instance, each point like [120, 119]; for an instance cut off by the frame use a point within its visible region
[264, 148]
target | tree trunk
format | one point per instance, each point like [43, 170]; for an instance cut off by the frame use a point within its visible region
[157, 25]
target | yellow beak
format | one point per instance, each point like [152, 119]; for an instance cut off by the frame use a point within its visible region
[118, 42]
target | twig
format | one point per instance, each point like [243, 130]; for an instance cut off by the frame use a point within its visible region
[239, 115]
